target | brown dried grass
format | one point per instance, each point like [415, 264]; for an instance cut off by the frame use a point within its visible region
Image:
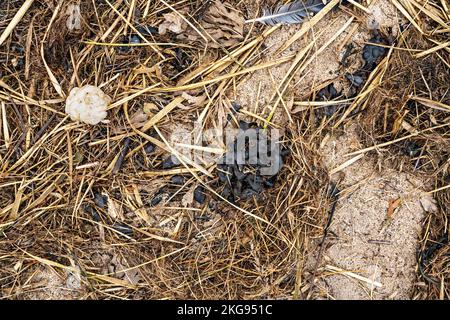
[51, 167]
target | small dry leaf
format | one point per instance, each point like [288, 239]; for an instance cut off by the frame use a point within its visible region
[114, 210]
[138, 119]
[173, 23]
[222, 22]
[397, 124]
[150, 108]
[195, 101]
[18, 265]
[393, 206]
[74, 19]
[428, 203]
[188, 198]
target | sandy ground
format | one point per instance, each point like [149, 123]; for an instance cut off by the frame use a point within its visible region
[361, 238]
[46, 284]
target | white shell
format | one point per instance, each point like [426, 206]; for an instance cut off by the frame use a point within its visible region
[87, 104]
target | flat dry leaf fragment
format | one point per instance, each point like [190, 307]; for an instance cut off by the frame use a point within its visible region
[393, 206]
[223, 23]
[428, 203]
[194, 101]
[114, 209]
[74, 17]
[188, 198]
[139, 119]
[150, 108]
[173, 22]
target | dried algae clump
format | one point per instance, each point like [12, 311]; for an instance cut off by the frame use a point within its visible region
[87, 104]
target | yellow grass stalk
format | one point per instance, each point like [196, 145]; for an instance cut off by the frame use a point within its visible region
[15, 20]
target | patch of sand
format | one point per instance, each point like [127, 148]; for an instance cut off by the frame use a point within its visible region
[47, 284]
[360, 238]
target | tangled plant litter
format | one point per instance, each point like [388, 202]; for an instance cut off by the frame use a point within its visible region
[118, 207]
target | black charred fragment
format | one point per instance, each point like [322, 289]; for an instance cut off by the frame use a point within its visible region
[372, 53]
[124, 49]
[123, 153]
[285, 152]
[123, 229]
[349, 50]
[149, 148]
[100, 200]
[132, 39]
[270, 183]
[157, 198]
[412, 149]
[94, 213]
[223, 172]
[212, 205]
[178, 180]
[243, 125]
[135, 39]
[244, 181]
[226, 193]
[235, 107]
[327, 93]
[202, 218]
[147, 30]
[356, 79]
[169, 163]
[199, 195]
[425, 256]
[182, 61]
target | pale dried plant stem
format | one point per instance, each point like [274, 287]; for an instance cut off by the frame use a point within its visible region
[15, 20]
